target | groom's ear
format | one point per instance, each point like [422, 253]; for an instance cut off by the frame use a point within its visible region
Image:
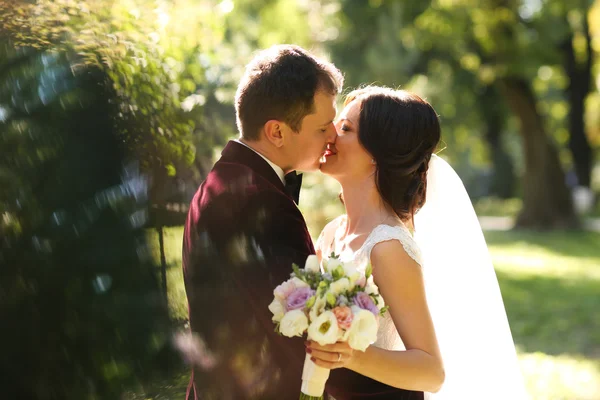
[273, 130]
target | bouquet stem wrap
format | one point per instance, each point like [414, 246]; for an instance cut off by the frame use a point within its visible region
[313, 380]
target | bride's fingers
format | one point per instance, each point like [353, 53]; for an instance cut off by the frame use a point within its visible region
[334, 358]
[325, 364]
[339, 347]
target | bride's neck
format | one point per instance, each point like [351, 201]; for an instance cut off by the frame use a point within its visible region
[364, 206]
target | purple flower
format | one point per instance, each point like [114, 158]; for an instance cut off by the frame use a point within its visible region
[365, 302]
[298, 298]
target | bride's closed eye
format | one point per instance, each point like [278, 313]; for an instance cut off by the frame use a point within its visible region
[344, 128]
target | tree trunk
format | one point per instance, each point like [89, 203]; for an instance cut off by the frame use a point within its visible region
[577, 91]
[503, 178]
[546, 199]
[163, 263]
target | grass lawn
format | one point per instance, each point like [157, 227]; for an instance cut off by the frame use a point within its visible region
[551, 288]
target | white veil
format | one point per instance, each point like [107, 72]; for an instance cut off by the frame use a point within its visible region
[463, 295]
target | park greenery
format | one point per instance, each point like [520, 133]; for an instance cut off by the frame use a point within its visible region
[113, 111]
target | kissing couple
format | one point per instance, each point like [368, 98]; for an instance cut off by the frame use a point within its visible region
[445, 334]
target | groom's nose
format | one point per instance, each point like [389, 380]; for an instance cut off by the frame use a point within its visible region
[331, 133]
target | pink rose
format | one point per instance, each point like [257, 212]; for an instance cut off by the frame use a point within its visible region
[344, 316]
[282, 291]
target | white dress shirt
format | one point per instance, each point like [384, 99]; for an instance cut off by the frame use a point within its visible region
[275, 167]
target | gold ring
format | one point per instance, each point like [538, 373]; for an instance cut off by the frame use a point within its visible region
[339, 357]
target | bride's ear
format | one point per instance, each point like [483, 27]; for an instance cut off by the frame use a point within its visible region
[274, 131]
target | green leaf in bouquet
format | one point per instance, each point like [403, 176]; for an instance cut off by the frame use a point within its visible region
[277, 331]
[383, 310]
[368, 271]
[297, 271]
[311, 301]
[334, 256]
[374, 298]
[331, 299]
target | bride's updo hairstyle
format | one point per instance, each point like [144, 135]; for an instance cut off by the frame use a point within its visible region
[401, 131]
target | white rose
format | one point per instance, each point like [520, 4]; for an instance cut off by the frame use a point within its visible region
[324, 330]
[312, 264]
[317, 308]
[339, 286]
[350, 268]
[293, 323]
[299, 283]
[331, 264]
[363, 331]
[371, 287]
[278, 310]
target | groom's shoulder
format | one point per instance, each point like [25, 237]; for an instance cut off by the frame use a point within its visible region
[236, 180]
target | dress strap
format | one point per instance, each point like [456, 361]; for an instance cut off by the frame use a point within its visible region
[384, 233]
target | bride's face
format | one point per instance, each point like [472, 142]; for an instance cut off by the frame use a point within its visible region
[347, 159]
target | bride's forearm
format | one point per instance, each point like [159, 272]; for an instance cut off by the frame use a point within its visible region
[409, 369]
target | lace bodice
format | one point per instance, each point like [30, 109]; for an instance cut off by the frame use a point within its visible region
[326, 243]
[387, 336]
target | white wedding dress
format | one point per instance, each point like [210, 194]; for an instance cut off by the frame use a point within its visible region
[461, 287]
[387, 335]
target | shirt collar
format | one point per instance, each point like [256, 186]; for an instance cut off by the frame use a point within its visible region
[275, 167]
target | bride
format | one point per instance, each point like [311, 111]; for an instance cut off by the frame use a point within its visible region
[446, 330]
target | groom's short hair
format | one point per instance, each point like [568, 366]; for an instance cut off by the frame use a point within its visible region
[280, 83]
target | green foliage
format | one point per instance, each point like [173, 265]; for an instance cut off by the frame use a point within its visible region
[81, 301]
[122, 39]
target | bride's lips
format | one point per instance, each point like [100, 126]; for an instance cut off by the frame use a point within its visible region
[330, 152]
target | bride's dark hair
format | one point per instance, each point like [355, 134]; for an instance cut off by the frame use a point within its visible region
[401, 131]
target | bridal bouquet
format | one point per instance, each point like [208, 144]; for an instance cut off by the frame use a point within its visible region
[338, 302]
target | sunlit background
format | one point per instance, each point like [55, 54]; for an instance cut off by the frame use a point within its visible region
[112, 112]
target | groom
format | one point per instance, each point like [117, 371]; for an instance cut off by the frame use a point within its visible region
[244, 230]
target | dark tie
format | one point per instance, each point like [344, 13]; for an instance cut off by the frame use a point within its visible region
[293, 183]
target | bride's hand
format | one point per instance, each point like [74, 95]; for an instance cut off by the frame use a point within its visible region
[331, 356]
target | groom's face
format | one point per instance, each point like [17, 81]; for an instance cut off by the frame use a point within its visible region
[306, 147]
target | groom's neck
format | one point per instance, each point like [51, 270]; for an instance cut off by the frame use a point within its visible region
[266, 151]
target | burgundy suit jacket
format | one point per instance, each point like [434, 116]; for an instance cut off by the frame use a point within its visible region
[242, 234]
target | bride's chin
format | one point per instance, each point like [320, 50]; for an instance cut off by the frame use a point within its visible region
[325, 168]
